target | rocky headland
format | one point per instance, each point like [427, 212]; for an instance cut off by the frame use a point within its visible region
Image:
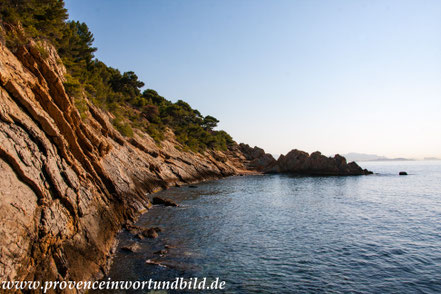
[315, 164]
[70, 182]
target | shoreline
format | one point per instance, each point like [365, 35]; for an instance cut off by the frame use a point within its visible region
[338, 209]
[105, 270]
[81, 180]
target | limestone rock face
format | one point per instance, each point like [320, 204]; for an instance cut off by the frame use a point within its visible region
[67, 184]
[301, 163]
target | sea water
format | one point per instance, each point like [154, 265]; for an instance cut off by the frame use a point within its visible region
[284, 234]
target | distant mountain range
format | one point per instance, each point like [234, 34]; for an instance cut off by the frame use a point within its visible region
[353, 156]
[432, 158]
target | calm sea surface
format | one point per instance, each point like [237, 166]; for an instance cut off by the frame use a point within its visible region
[282, 234]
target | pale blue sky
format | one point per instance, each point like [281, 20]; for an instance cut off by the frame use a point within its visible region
[335, 76]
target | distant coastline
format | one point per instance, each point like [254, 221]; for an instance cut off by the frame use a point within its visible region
[353, 156]
[431, 158]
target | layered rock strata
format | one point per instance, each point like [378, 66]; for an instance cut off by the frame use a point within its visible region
[68, 184]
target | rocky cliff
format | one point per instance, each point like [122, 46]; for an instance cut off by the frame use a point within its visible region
[68, 183]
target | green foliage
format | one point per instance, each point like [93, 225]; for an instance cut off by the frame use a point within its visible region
[42, 50]
[13, 40]
[44, 19]
[76, 43]
[127, 84]
[210, 122]
[123, 127]
[155, 132]
[72, 86]
[119, 93]
[82, 107]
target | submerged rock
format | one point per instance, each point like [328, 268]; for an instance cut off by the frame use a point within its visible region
[151, 233]
[133, 247]
[155, 262]
[161, 252]
[163, 201]
[172, 264]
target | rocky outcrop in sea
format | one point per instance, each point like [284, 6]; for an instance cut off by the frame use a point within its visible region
[301, 163]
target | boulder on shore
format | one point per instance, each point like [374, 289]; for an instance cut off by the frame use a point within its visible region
[301, 163]
[163, 201]
[141, 232]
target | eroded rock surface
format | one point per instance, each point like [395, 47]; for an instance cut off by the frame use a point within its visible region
[67, 184]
